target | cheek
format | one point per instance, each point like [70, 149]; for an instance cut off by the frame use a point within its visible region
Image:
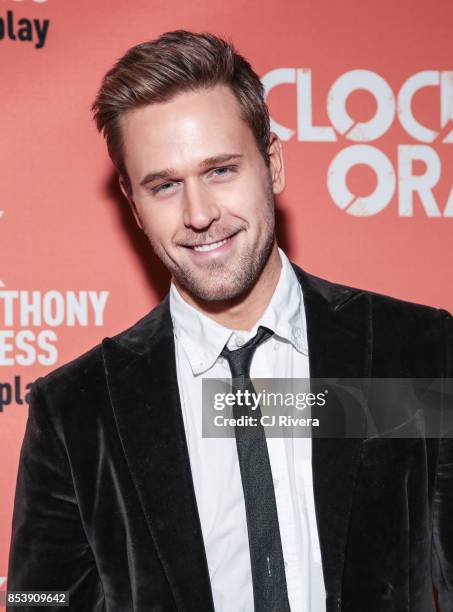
[250, 195]
[261, 202]
[158, 224]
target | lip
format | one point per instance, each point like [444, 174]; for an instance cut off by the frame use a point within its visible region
[216, 253]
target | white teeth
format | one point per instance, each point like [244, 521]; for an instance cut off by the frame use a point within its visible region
[209, 247]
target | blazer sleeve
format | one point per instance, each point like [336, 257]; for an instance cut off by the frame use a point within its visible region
[442, 551]
[49, 549]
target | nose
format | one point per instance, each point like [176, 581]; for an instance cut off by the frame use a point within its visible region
[200, 208]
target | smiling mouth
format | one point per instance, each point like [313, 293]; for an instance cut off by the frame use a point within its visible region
[211, 246]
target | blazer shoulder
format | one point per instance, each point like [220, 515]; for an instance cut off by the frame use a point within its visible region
[340, 294]
[400, 331]
[87, 370]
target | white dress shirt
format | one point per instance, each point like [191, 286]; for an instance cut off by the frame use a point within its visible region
[199, 341]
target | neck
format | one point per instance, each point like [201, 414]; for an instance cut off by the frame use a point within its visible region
[242, 312]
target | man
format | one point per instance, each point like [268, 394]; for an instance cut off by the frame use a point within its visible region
[120, 500]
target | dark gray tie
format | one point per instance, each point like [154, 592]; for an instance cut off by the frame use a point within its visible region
[266, 556]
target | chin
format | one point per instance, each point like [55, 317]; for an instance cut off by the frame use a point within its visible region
[218, 292]
[210, 293]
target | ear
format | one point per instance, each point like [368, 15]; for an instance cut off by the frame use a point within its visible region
[276, 167]
[128, 196]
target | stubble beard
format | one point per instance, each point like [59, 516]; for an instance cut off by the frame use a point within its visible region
[219, 281]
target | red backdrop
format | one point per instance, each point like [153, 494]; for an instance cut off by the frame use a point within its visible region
[361, 91]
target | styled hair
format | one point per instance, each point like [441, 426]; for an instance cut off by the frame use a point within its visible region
[174, 63]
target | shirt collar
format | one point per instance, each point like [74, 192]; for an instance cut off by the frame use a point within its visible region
[203, 339]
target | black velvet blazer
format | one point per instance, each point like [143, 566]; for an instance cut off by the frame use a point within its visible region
[105, 505]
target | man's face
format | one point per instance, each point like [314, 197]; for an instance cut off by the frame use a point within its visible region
[202, 191]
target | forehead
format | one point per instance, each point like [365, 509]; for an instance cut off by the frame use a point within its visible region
[186, 129]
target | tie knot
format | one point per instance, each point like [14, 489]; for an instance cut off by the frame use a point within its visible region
[240, 359]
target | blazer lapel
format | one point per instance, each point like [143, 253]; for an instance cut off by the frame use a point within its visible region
[339, 344]
[141, 376]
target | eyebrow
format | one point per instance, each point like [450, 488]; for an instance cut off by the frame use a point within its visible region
[171, 173]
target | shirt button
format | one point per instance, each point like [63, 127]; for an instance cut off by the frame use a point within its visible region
[239, 340]
[276, 346]
[286, 565]
[275, 481]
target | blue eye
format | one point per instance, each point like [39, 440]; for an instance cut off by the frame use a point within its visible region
[163, 187]
[225, 170]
